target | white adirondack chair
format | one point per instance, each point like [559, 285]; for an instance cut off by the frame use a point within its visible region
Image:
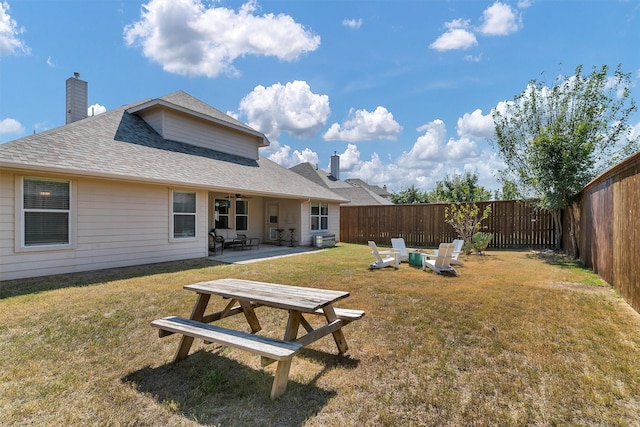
[442, 261]
[392, 258]
[399, 245]
[457, 250]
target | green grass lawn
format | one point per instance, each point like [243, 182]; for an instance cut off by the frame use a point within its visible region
[517, 338]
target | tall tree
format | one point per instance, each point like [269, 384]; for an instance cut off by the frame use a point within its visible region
[557, 137]
[408, 196]
[509, 191]
[459, 188]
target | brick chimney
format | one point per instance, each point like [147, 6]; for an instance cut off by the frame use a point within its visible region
[77, 98]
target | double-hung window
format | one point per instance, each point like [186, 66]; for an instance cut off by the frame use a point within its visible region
[46, 210]
[319, 216]
[222, 213]
[242, 215]
[184, 214]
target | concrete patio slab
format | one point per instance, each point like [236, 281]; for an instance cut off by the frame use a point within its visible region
[264, 252]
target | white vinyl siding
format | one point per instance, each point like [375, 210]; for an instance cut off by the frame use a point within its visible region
[118, 224]
[182, 128]
[306, 236]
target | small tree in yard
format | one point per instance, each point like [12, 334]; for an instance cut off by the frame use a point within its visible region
[556, 138]
[466, 221]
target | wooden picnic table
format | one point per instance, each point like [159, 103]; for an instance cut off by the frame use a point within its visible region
[246, 295]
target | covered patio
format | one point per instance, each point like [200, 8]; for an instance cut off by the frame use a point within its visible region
[262, 253]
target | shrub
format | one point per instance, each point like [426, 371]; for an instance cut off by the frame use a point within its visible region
[480, 241]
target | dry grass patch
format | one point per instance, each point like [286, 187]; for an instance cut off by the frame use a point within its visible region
[518, 338]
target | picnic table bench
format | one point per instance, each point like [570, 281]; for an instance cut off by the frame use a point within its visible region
[245, 296]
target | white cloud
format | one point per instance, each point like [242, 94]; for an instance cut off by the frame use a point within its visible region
[500, 19]
[432, 156]
[96, 109]
[476, 125]
[473, 58]
[10, 42]
[190, 38]
[291, 108]
[635, 132]
[50, 63]
[362, 125]
[457, 38]
[428, 148]
[461, 149]
[352, 23]
[284, 157]
[350, 158]
[523, 4]
[10, 126]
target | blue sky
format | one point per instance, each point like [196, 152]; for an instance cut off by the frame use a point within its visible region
[402, 90]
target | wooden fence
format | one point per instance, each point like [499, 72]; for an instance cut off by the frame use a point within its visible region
[607, 221]
[513, 224]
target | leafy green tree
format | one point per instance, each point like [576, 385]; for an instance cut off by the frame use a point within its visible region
[466, 220]
[556, 138]
[408, 196]
[509, 191]
[459, 188]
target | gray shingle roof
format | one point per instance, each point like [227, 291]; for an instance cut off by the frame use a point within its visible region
[382, 192]
[356, 191]
[120, 145]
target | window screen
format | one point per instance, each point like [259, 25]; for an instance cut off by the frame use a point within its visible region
[45, 207]
[184, 214]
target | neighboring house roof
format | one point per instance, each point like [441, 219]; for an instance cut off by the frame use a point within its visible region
[354, 190]
[118, 144]
[382, 192]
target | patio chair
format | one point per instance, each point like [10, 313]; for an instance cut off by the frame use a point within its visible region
[457, 249]
[215, 241]
[442, 261]
[392, 258]
[399, 245]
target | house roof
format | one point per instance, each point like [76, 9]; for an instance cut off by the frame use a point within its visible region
[118, 144]
[355, 190]
[382, 192]
[183, 102]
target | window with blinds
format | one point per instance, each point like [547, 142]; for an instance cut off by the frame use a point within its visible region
[46, 211]
[184, 214]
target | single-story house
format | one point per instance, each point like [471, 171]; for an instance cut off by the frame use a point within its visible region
[356, 191]
[145, 183]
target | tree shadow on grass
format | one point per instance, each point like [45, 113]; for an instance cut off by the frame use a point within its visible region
[556, 258]
[215, 390]
[12, 288]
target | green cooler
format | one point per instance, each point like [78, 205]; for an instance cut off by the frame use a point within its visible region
[415, 258]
